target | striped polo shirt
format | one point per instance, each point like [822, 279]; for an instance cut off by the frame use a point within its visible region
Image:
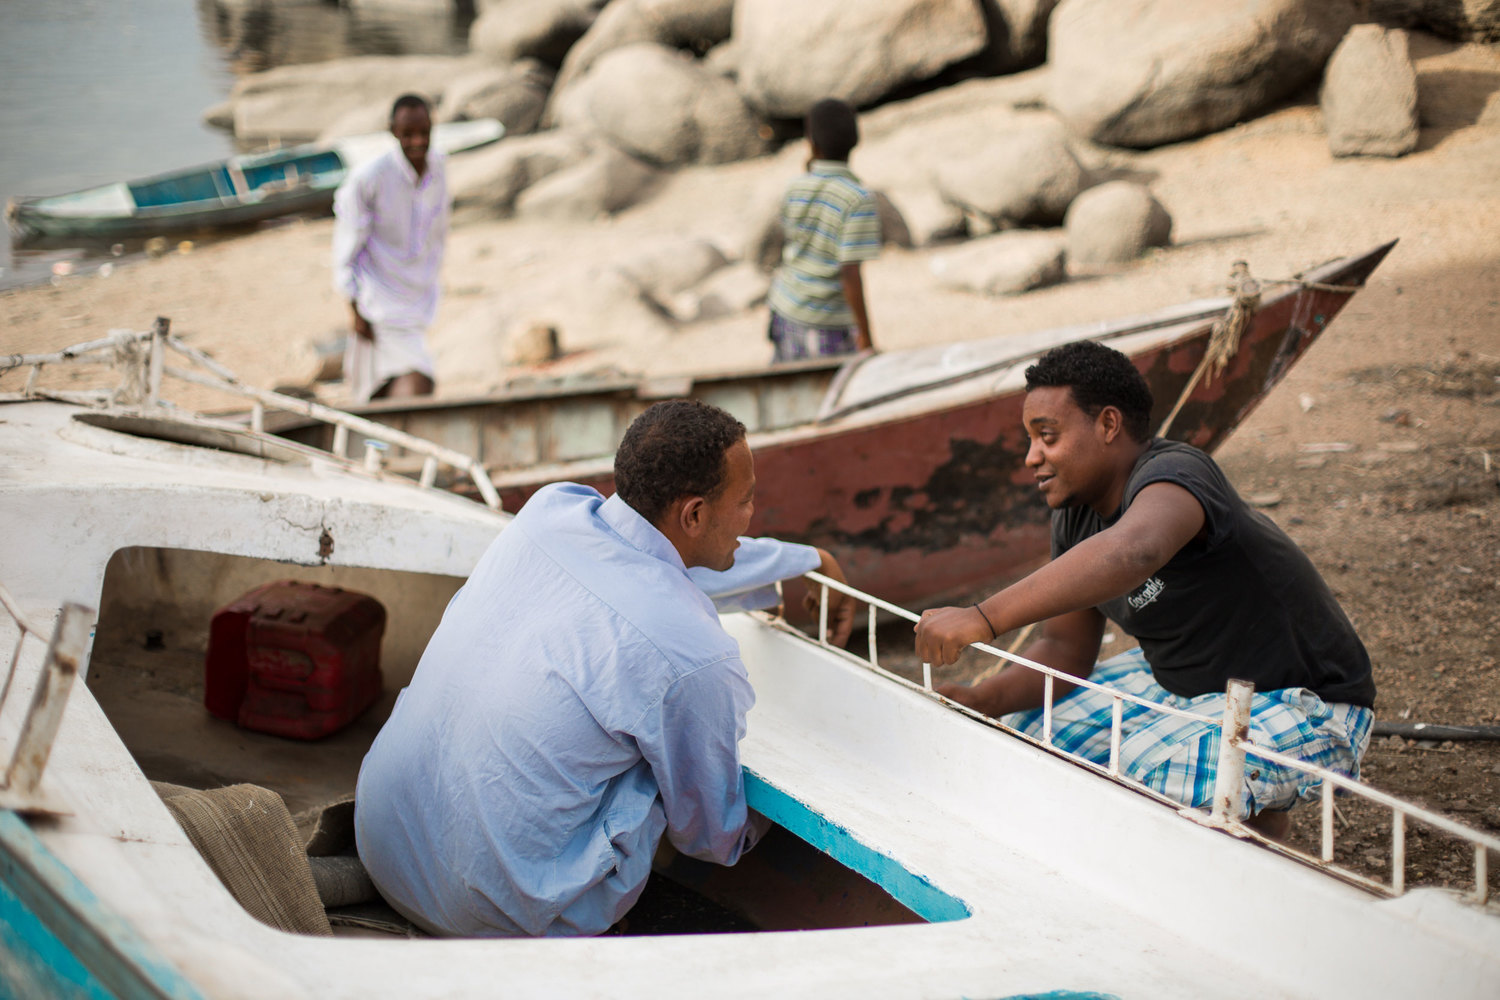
[828, 219]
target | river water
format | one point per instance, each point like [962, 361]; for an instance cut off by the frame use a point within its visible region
[93, 91]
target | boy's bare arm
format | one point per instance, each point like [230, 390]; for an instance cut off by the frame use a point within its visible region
[854, 294]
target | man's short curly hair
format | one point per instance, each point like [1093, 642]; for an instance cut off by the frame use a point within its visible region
[410, 101]
[833, 127]
[675, 449]
[1097, 376]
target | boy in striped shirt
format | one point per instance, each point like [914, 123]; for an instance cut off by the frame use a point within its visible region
[828, 218]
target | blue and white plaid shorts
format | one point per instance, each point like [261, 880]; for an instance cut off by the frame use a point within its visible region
[1178, 757]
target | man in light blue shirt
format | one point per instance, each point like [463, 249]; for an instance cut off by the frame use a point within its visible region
[580, 699]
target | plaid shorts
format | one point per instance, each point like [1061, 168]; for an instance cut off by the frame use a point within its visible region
[794, 341]
[1178, 757]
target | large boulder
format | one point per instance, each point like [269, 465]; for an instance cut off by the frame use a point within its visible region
[367, 118]
[607, 182]
[1142, 73]
[515, 94]
[663, 271]
[906, 142]
[1369, 94]
[1114, 223]
[692, 25]
[508, 30]
[728, 291]
[1021, 175]
[488, 180]
[793, 53]
[1017, 34]
[659, 104]
[929, 218]
[1464, 20]
[1005, 264]
[300, 102]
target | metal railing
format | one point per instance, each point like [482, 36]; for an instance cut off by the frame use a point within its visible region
[1234, 746]
[142, 357]
[21, 788]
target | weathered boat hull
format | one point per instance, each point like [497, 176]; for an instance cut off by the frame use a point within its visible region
[922, 493]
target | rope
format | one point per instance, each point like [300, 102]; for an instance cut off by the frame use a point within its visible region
[1224, 338]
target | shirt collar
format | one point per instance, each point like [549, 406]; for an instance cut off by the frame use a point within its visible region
[638, 531]
[838, 167]
[410, 173]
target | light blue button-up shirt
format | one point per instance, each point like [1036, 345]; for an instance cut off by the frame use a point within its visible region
[578, 700]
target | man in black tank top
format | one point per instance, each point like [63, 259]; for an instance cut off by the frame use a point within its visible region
[1149, 533]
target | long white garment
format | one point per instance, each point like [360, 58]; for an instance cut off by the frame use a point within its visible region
[388, 240]
[370, 364]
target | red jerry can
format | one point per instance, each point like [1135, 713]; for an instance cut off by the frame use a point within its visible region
[294, 659]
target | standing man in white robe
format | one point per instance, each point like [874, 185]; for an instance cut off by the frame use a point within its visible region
[392, 224]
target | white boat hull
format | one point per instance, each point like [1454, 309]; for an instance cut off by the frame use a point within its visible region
[1068, 881]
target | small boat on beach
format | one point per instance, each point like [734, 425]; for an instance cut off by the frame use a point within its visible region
[237, 190]
[907, 464]
[918, 849]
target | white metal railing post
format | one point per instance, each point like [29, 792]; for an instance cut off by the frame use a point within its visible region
[870, 631]
[373, 456]
[1229, 777]
[1047, 709]
[23, 773]
[1327, 853]
[1481, 874]
[1116, 724]
[1398, 851]
[927, 676]
[156, 361]
[823, 614]
[258, 416]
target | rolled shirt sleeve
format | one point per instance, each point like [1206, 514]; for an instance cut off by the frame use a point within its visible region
[750, 584]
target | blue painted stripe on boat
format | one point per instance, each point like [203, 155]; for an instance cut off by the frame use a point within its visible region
[33, 962]
[912, 891]
[55, 922]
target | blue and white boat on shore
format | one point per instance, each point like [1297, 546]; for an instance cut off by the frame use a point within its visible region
[235, 191]
[989, 864]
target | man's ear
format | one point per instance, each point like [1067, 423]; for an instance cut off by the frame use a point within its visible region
[1111, 423]
[691, 517]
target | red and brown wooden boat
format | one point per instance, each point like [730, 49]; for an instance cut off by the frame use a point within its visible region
[908, 464]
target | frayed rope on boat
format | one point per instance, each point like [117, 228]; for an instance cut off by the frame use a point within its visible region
[1224, 338]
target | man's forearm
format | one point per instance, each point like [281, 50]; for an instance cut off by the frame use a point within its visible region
[1017, 688]
[854, 294]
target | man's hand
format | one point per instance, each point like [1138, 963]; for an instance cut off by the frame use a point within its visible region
[943, 633]
[840, 604]
[361, 326]
[964, 694]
